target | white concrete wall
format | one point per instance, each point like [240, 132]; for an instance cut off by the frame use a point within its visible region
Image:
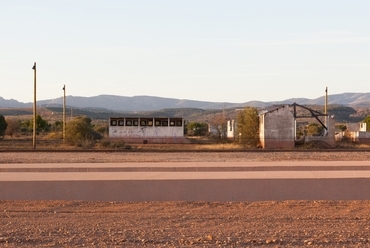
[277, 128]
[362, 127]
[138, 131]
[231, 129]
[360, 137]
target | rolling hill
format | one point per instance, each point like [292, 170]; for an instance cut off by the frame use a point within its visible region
[153, 103]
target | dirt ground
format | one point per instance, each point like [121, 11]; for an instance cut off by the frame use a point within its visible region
[184, 224]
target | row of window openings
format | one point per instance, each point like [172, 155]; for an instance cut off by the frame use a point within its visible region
[144, 123]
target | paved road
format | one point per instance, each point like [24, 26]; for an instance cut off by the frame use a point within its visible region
[187, 181]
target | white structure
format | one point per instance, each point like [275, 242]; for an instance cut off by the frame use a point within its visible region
[356, 127]
[357, 132]
[231, 129]
[277, 128]
[147, 129]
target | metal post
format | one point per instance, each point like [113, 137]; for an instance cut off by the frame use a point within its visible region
[34, 106]
[64, 114]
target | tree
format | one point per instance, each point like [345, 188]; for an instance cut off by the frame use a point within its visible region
[248, 126]
[41, 124]
[57, 126]
[14, 127]
[197, 128]
[81, 132]
[3, 125]
[219, 123]
[342, 127]
[101, 128]
[367, 121]
[314, 129]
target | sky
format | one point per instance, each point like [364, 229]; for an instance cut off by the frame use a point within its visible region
[208, 50]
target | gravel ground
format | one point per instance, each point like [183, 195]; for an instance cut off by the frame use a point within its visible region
[183, 224]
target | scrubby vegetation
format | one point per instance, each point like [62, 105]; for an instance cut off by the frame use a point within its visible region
[201, 127]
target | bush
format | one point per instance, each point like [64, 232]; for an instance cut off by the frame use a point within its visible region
[3, 125]
[85, 143]
[248, 126]
[116, 144]
[54, 135]
[80, 132]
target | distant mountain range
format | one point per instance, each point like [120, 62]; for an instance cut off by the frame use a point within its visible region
[151, 103]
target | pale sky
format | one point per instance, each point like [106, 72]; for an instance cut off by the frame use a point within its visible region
[207, 50]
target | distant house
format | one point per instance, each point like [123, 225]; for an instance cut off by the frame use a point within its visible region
[356, 132]
[147, 129]
[356, 127]
[277, 128]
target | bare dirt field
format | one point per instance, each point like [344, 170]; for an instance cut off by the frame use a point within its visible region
[183, 224]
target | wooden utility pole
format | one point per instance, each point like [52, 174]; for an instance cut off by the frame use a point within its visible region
[326, 105]
[326, 101]
[64, 114]
[34, 106]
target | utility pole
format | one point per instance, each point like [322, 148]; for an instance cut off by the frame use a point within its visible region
[34, 106]
[64, 114]
[326, 101]
[326, 105]
[326, 117]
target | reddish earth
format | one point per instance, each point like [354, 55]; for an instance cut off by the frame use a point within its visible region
[183, 224]
[174, 224]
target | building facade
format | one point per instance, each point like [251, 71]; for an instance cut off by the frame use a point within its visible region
[356, 132]
[277, 128]
[147, 129]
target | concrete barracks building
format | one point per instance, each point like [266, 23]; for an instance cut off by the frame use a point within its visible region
[147, 129]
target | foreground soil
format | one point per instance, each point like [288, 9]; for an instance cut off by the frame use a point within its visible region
[183, 224]
[176, 224]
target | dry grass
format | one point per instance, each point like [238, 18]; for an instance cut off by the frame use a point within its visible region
[52, 142]
[352, 145]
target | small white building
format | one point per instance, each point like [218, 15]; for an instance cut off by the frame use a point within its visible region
[356, 127]
[357, 132]
[147, 129]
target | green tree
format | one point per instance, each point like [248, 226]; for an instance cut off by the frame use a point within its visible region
[3, 125]
[81, 132]
[367, 121]
[57, 126]
[248, 126]
[101, 128]
[197, 128]
[342, 127]
[314, 129]
[41, 125]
